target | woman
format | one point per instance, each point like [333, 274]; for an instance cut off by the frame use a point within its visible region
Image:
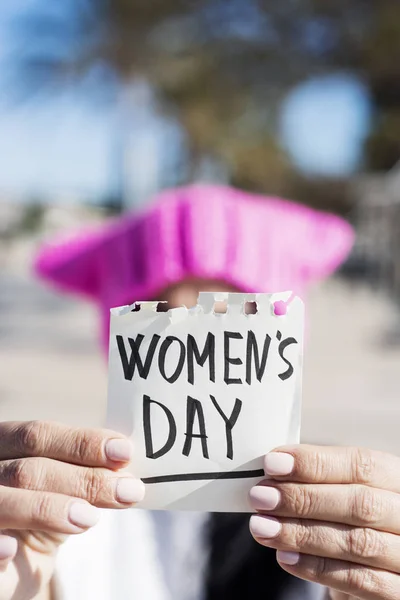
[330, 512]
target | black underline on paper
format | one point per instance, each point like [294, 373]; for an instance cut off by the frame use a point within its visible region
[204, 476]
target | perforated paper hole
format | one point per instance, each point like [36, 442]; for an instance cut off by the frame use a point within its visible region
[280, 308]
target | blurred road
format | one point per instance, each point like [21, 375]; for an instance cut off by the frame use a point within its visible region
[49, 363]
[50, 366]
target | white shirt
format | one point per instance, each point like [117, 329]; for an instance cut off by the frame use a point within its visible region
[140, 555]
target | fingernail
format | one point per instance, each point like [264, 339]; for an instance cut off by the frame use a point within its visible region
[288, 558]
[264, 498]
[83, 515]
[8, 547]
[129, 490]
[278, 464]
[264, 527]
[119, 450]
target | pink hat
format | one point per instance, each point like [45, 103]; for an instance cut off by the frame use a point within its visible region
[254, 243]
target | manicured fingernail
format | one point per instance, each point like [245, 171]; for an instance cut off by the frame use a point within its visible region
[83, 515]
[119, 450]
[288, 558]
[264, 527]
[264, 498]
[8, 547]
[129, 490]
[278, 464]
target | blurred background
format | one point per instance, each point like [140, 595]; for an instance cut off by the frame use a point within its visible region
[105, 102]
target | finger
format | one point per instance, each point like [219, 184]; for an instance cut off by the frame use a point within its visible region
[357, 505]
[43, 511]
[333, 595]
[101, 487]
[362, 582]
[324, 464]
[8, 550]
[89, 447]
[354, 544]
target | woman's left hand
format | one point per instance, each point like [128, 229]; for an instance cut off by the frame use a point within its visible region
[333, 514]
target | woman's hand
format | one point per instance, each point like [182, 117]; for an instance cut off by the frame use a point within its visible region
[333, 514]
[51, 479]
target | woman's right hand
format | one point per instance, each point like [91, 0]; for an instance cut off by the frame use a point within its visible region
[51, 479]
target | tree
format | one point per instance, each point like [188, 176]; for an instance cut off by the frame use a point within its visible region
[222, 66]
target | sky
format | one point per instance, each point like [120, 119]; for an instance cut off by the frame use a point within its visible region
[65, 144]
[324, 123]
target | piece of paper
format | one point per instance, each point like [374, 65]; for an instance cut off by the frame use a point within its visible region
[204, 396]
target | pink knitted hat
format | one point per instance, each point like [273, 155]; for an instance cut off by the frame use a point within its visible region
[254, 243]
